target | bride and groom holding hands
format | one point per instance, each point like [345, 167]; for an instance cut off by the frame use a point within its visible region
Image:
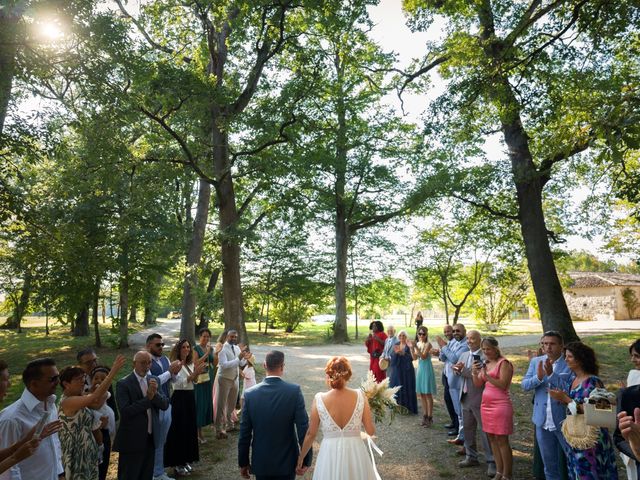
[276, 429]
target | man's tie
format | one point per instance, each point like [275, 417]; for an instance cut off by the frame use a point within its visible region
[145, 387]
[465, 387]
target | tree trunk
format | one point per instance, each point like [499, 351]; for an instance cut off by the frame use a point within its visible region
[21, 306]
[544, 277]
[355, 293]
[124, 307]
[81, 327]
[340, 334]
[194, 256]
[211, 286]
[133, 313]
[96, 302]
[261, 314]
[529, 186]
[230, 240]
[149, 317]
[343, 233]
[8, 49]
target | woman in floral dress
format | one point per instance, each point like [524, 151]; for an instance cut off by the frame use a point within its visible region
[597, 462]
[80, 449]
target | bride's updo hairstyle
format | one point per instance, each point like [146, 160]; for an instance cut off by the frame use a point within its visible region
[338, 372]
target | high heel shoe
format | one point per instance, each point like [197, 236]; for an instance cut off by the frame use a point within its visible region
[425, 421]
[429, 421]
[498, 476]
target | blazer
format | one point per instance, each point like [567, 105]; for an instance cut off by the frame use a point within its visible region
[274, 423]
[450, 354]
[557, 379]
[131, 436]
[473, 397]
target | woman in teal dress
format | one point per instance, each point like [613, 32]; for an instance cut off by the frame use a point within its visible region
[425, 378]
[204, 386]
[597, 462]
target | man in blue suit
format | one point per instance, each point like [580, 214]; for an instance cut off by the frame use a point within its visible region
[273, 425]
[449, 354]
[545, 372]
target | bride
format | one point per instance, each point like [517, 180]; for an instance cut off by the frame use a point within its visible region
[340, 412]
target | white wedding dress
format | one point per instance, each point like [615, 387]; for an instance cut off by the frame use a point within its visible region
[343, 454]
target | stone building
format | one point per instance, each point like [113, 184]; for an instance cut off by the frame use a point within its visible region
[601, 296]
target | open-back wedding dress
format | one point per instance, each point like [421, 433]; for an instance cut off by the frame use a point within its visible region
[343, 454]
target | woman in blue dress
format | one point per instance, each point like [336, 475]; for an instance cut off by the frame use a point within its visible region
[597, 462]
[404, 374]
[425, 379]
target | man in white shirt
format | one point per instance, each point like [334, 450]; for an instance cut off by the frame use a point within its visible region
[230, 359]
[545, 372]
[38, 400]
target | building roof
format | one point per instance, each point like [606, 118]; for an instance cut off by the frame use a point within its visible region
[603, 279]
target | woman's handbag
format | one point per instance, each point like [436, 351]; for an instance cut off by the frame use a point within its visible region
[203, 377]
[600, 409]
[576, 431]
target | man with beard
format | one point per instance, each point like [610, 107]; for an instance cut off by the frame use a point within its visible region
[453, 424]
[165, 371]
[230, 359]
[450, 354]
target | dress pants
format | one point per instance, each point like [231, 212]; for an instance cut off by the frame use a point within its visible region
[472, 421]
[551, 445]
[165, 424]
[449, 402]
[227, 397]
[137, 465]
[455, 397]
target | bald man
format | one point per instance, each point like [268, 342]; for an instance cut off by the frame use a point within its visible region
[470, 400]
[139, 401]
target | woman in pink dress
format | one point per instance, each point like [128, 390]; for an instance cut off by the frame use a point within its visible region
[496, 408]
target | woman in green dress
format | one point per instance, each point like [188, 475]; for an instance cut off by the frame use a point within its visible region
[204, 384]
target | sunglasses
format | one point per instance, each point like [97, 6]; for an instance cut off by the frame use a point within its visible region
[54, 379]
[421, 334]
[158, 344]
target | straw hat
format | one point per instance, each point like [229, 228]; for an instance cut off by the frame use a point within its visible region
[383, 363]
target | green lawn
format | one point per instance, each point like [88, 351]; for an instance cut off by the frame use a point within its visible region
[17, 349]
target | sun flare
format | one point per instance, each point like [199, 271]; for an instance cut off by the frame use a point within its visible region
[51, 31]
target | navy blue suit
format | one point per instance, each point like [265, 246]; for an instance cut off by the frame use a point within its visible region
[273, 425]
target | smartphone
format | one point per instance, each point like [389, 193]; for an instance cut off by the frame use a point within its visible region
[476, 358]
[41, 424]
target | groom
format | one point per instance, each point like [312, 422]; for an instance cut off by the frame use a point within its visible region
[274, 423]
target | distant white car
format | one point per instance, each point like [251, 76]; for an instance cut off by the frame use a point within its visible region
[323, 318]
